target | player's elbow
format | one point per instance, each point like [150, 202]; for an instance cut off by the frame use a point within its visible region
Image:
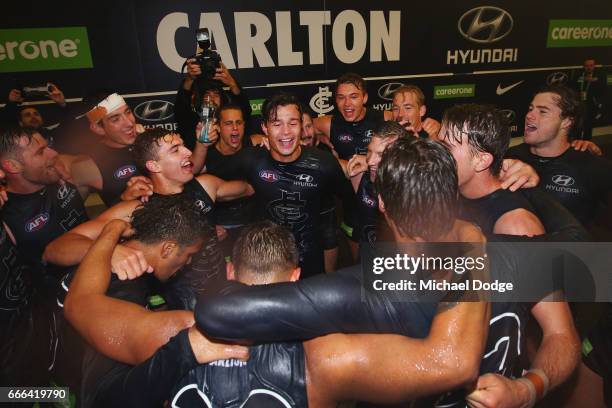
[71, 307]
[460, 366]
[214, 319]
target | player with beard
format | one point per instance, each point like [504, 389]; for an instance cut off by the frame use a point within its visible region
[290, 180]
[577, 179]
[40, 206]
[168, 163]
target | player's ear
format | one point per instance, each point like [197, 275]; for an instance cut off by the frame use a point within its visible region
[229, 271]
[295, 274]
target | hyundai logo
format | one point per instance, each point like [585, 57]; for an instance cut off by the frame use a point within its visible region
[559, 78]
[509, 115]
[486, 24]
[306, 178]
[155, 111]
[563, 180]
[62, 191]
[386, 91]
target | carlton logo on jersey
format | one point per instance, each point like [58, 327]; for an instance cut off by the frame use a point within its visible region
[192, 396]
[37, 222]
[125, 172]
[269, 175]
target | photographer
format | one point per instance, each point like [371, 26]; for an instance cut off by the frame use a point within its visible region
[28, 116]
[194, 86]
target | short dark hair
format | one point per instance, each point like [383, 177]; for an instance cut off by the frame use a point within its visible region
[417, 181]
[264, 250]
[389, 129]
[146, 146]
[229, 106]
[487, 130]
[568, 101]
[271, 105]
[307, 111]
[168, 218]
[353, 79]
[413, 89]
[10, 137]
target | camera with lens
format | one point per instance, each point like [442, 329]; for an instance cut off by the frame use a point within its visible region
[209, 60]
[36, 91]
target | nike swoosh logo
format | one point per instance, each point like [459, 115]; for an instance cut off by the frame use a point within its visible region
[501, 91]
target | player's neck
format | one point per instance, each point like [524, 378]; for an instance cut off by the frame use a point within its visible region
[480, 185]
[22, 186]
[164, 186]
[227, 150]
[552, 148]
[287, 159]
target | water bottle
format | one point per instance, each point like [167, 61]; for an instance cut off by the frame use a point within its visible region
[207, 117]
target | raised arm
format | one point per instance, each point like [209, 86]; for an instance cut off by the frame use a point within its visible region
[221, 190]
[70, 248]
[98, 317]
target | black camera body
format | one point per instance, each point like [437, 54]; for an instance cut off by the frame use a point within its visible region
[209, 60]
[36, 91]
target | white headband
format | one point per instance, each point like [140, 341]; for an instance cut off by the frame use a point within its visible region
[111, 103]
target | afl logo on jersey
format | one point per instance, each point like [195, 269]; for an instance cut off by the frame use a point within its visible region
[37, 222]
[367, 200]
[125, 172]
[345, 138]
[269, 175]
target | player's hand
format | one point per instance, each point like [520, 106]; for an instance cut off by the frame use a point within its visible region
[128, 263]
[496, 391]
[431, 127]
[56, 95]
[222, 74]
[587, 146]
[62, 170]
[138, 187]
[356, 165]
[193, 69]
[515, 174]
[15, 96]
[409, 128]
[206, 350]
[260, 141]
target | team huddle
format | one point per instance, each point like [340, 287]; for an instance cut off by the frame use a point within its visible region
[212, 277]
